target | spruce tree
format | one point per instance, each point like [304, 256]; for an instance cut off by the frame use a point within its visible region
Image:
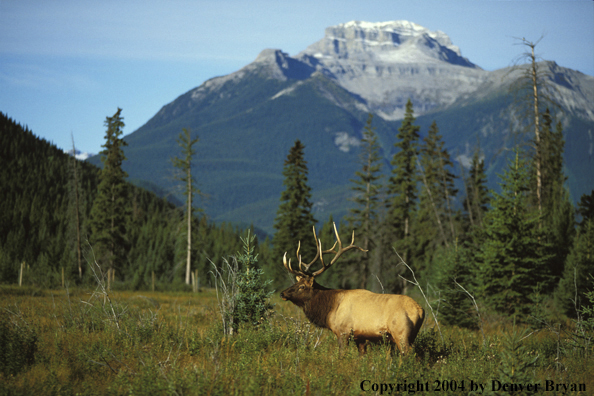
[514, 256]
[109, 213]
[294, 221]
[367, 187]
[552, 148]
[435, 220]
[402, 191]
[476, 202]
[456, 306]
[76, 206]
[579, 267]
[252, 301]
[184, 164]
[558, 220]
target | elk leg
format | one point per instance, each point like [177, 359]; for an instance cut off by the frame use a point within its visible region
[403, 345]
[343, 341]
[362, 345]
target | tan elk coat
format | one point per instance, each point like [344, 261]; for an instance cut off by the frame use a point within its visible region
[367, 316]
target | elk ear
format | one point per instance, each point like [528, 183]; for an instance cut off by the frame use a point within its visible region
[298, 278]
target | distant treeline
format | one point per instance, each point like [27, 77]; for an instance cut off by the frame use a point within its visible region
[37, 222]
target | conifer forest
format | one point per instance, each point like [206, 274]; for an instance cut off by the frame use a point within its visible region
[108, 288]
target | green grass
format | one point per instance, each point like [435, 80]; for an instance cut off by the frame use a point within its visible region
[172, 343]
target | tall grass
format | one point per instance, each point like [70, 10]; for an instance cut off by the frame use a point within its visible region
[173, 343]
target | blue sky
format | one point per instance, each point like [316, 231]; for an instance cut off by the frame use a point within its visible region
[67, 64]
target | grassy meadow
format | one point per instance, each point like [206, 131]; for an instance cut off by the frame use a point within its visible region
[87, 342]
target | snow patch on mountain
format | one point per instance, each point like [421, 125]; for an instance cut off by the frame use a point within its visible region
[286, 91]
[78, 154]
[386, 63]
[394, 41]
[344, 142]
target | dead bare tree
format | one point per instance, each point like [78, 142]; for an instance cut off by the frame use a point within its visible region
[77, 210]
[533, 93]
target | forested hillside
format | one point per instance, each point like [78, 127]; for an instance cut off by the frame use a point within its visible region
[38, 221]
[511, 250]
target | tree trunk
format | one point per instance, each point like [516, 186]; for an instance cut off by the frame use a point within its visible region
[189, 258]
[533, 72]
[78, 246]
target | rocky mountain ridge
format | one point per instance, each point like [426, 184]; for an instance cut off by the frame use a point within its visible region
[247, 120]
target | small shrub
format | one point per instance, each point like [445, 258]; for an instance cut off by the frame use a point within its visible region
[245, 296]
[517, 362]
[252, 300]
[582, 339]
[18, 345]
[427, 346]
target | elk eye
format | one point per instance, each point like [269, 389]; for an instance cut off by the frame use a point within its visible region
[301, 287]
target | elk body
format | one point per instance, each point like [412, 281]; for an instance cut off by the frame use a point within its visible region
[366, 316]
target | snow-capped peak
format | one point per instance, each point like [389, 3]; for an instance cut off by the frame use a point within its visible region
[401, 27]
[379, 61]
[388, 42]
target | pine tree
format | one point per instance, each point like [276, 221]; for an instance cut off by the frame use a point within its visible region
[108, 215]
[435, 220]
[514, 255]
[558, 220]
[184, 164]
[476, 202]
[579, 267]
[76, 205]
[402, 190]
[456, 306]
[367, 187]
[552, 147]
[252, 301]
[294, 221]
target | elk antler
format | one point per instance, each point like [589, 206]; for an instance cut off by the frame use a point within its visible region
[304, 268]
[341, 250]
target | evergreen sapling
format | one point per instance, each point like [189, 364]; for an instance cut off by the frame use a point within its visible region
[252, 300]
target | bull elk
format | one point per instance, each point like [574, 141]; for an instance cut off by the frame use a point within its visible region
[367, 316]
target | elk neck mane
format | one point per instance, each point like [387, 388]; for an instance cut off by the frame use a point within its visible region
[321, 305]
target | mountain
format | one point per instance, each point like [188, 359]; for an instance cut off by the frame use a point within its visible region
[387, 63]
[248, 120]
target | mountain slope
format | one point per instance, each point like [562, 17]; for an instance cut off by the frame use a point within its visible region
[248, 120]
[241, 152]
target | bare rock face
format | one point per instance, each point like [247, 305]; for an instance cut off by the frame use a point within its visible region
[384, 64]
[389, 62]
[281, 66]
[391, 42]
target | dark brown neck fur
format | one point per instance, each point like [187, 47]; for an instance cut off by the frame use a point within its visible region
[321, 304]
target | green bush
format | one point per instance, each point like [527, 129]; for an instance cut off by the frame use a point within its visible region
[18, 345]
[246, 299]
